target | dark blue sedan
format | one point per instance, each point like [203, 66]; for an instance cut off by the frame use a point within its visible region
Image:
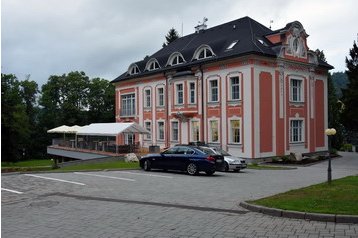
[184, 158]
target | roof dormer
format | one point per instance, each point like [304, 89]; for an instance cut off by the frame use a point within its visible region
[175, 59]
[203, 52]
[133, 69]
[152, 64]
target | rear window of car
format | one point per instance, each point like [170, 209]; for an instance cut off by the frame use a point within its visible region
[207, 151]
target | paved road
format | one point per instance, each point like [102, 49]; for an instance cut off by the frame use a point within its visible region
[157, 204]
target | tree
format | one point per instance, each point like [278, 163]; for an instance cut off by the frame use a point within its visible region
[171, 36]
[15, 123]
[350, 95]
[334, 112]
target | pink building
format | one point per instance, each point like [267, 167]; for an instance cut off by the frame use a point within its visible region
[241, 86]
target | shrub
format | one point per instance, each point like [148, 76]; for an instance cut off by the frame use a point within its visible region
[347, 147]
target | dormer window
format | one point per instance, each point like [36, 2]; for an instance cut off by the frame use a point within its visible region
[203, 52]
[152, 65]
[175, 58]
[133, 69]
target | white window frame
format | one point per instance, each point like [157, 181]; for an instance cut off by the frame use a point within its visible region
[147, 98]
[300, 90]
[177, 94]
[148, 136]
[235, 85]
[205, 49]
[231, 141]
[300, 128]
[129, 137]
[192, 130]
[158, 131]
[158, 97]
[211, 131]
[192, 92]
[175, 56]
[211, 90]
[172, 130]
[130, 111]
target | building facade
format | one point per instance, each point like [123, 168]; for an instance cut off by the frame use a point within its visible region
[240, 86]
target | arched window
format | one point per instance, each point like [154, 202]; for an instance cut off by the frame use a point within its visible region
[152, 64]
[133, 69]
[203, 52]
[175, 58]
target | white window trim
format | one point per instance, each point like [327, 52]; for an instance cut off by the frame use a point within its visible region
[192, 130]
[201, 48]
[177, 94]
[158, 133]
[145, 97]
[230, 130]
[158, 98]
[230, 87]
[189, 92]
[210, 89]
[298, 78]
[302, 132]
[210, 131]
[135, 102]
[172, 131]
[150, 62]
[130, 68]
[171, 59]
[148, 136]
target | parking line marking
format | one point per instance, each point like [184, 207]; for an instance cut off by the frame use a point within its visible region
[12, 191]
[59, 180]
[104, 176]
[150, 175]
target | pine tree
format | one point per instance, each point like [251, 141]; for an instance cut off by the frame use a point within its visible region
[171, 36]
[350, 95]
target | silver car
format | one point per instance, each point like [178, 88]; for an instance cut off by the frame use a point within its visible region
[232, 163]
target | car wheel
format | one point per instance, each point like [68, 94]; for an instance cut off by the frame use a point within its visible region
[192, 169]
[146, 165]
[210, 172]
[226, 167]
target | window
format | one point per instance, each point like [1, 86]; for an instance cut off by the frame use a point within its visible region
[160, 97]
[192, 93]
[175, 131]
[133, 69]
[152, 65]
[148, 126]
[128, 105]
[235, 131]
[296, 131]
[195, 131]
[235, 88]
[296, 90]
[214, 97]
[180, 94]
[160, 130]
[232, 45]
[175, 58]
[129, 139]
[147, 98]
[203, 52]
[214, 131]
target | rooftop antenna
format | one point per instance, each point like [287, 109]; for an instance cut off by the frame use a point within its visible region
[182, 26]
[201, 25]
[271, 21]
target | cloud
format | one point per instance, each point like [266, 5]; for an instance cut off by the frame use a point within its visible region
[102, 37]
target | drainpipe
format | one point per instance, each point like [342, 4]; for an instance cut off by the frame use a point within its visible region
[167, 112]
[202, 103]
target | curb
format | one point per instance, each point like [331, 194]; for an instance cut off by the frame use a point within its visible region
[301, 215]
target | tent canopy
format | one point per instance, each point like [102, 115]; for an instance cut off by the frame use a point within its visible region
[65, 129]
[111, 129]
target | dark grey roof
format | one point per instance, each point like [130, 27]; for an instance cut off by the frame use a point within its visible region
[245, 30]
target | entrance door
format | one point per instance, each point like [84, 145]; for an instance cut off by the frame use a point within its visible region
[184, 133]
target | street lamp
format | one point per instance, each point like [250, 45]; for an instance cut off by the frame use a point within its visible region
[329, 133]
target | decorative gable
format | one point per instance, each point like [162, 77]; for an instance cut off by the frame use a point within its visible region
[296, 41]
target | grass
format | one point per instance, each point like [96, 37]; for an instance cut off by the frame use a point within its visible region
[339, 197]
[104, 165]
[267, 167]
[28, 163]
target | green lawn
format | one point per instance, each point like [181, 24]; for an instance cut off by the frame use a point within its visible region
[268, 167]
[340, 197]
[28, 163]
[105, 165]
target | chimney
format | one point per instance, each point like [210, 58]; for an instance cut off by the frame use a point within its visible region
[202, 26]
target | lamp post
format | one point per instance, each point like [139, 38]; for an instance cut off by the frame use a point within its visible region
[330, 132]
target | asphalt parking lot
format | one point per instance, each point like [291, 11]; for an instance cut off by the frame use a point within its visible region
[157, 204]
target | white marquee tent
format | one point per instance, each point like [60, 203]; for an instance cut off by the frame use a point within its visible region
[111, 129]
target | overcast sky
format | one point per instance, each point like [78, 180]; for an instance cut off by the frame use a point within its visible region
[102, 37]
